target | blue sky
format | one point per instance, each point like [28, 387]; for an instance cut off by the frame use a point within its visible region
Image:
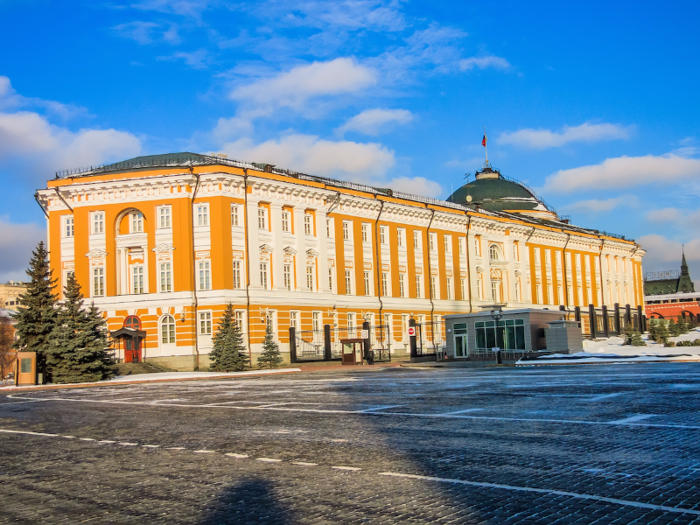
[595, 105]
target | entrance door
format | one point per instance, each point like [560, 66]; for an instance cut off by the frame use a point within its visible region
[349, 353]
[461, 344]
[132, 349]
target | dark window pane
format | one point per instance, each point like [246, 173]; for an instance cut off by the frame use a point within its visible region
[490, 338]
[481, 338]
[25, 366]
[520, 337]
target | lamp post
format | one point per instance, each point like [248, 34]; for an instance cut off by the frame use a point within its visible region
[497, 314]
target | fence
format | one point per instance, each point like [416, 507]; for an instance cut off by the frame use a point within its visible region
[326, 344]
[430, 338]
[604, 322]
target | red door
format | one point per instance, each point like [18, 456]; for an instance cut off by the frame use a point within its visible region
[132, 349]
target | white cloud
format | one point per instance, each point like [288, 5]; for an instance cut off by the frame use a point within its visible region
[599, 205]
[544, 138]
[187, 8]
[372, 121]
[347, 14]
[415, 185]
[483, 62]
[145, 33]
[682, 217]
[196, 59]
[16, 244]
[10, 99]
[231, 128]
[625, 172]
[310, 154]
[294, 88]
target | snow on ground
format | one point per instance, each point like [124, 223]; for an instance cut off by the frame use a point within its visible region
[612, 351]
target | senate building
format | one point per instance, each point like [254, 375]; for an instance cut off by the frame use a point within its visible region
[162, 243]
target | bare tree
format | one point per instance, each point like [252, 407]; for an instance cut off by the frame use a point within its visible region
[7, 354]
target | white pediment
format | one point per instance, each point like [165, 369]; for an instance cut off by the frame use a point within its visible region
[96, 253]
[163, 247]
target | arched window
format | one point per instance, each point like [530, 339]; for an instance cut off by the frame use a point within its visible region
[132, 322]
[493, 252]
[167, 329]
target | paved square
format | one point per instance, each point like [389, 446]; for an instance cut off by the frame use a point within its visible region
[587, 444]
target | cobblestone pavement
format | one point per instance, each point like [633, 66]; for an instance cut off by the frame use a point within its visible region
[597, 444]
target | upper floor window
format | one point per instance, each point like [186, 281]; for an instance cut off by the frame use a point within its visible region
[308, 224]
[462, 245]
[235, 219]
[166, 277]
[204, 271]
[205, 323]
[68, 226]
[329, 227]
[382, 234]
[448, 243]
[416, 240]
[399, 237]
[310, 278]
[286, 221]
[136, 222]
[202, 212]
[167, 329]
[137, 279]
[237, 275]
[432, 240]
[515, 252]
[365, 232]
[367, 283]
[98, 282]
[346, 230]
[493, 252]
[98, 222]
[263, 275]
[287, 272]
[348, 282]
[477, 246]
[164, 220]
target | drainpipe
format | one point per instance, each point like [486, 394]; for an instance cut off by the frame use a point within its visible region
[469, 268]
[36, 198]
[430, 279]
[247, 262]
[376, 262]
[526, 241]
[194, 271]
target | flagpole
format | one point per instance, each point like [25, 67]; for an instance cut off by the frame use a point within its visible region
[486, 147]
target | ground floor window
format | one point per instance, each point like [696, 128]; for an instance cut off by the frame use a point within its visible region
[461, 348]
[508, 335]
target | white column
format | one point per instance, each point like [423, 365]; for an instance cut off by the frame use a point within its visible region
[300, 247]
[322, 251]
[278, 253]
[253, 242]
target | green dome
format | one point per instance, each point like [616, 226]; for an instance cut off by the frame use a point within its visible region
[494, 192]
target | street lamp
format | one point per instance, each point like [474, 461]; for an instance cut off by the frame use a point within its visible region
[496, 315]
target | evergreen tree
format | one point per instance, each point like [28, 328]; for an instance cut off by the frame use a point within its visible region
[637, 339]
[36, 315]
[79, 346]
[673, 328]
[270, 357]
[653, 330]
[662, 333]
[682, 325]
[229, 352]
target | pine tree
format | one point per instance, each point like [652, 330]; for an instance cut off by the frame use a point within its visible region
[682, 325]
[629, 331]
[79, 346]
[270, 357]
[229, 353]
[637, 339]
[36, 316]
[662, 333]
[653, 330]
[673, 328]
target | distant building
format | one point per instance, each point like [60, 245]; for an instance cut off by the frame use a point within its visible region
[9, 294]
[669, 294]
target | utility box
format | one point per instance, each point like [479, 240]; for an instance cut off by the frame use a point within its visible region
[562, 336]
[25, 367]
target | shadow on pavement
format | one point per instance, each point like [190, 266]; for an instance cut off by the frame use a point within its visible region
[250, 500]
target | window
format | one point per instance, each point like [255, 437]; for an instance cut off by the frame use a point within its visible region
[234, 215]
[494, 291]
[538, 293]
[262, 219]
[263, 275]
[416, 240]
[433, 287]
[365, 232]
[477, 246]
[308, 224]
[516, 256]
[132, 322]
[399, 238]
[204, 275]
[69, 229]
[432, 240]
[382, 235]
[329, 227]
[310, 278]
[330, 279]
[238, 319]
[285, 221]
[98, 222]
[287, 271]
[385, 284]
[548, 257]
[479, 288]
[419, 287]
[164, 217]
[351, 320]
[404, 326]
[448, 285]
[367, 289]
[202, 215]
[237, 275]
[463, 289]
[293, 319]
[137, 279]
[509, 334]
[402, 285]
[167, 330]
[517, 289]
[316, 321]
[462, 245]
[348, 282]
[346, 231]
[166, 277]
[205, 323]
[98, 282]
[448, 243]
[493, 252]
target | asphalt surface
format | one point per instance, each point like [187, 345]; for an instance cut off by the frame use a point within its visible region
[587, 444]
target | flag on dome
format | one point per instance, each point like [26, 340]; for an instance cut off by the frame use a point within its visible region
[484, 140]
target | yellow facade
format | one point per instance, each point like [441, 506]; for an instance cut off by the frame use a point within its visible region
[178, 243]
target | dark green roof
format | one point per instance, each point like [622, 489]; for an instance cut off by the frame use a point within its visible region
[496, 195]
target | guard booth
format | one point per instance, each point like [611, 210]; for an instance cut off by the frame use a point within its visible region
[25, 369]
[130, 339]
[352, 351]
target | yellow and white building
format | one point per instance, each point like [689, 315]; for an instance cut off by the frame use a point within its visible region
[162, 243]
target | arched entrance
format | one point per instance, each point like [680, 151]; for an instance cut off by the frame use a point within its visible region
[130, 339]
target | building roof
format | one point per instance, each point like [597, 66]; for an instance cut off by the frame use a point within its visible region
[675, 285]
